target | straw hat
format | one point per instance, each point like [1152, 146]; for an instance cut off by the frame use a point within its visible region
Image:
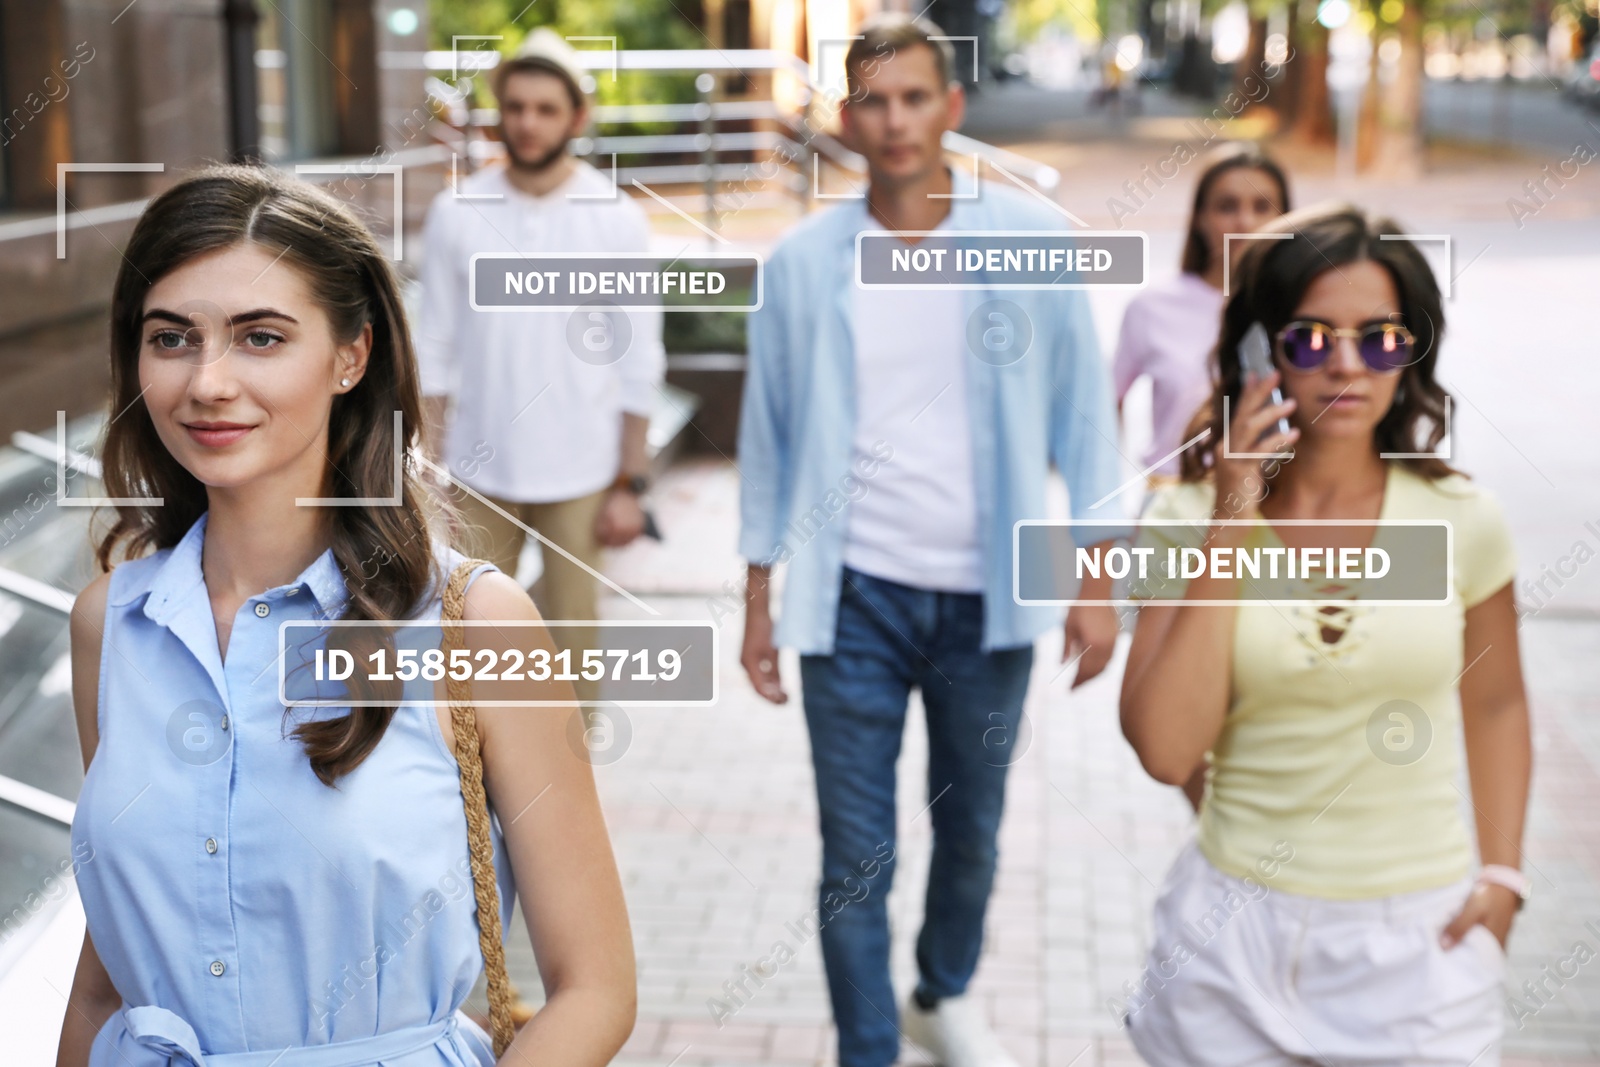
[546, 50]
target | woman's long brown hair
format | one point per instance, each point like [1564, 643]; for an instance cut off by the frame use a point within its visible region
[1270, 281]
[384, 553]
[1244, 155]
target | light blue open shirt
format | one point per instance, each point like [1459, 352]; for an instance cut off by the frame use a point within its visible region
[799, 413]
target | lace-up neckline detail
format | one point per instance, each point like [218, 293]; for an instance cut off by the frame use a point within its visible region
[1331, 631]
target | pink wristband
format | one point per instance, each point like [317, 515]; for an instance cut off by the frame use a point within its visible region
[1508, 877]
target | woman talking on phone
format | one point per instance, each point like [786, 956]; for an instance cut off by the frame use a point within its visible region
[1331, 908]
[295, 885]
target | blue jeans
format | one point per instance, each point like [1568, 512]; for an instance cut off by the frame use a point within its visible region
[890, 638]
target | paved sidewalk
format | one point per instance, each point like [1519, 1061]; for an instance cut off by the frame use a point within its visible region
[714, 822]
[712, 810]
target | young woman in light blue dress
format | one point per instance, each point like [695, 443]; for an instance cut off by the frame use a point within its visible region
[289, 885]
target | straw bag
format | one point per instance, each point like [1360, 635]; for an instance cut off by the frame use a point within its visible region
[503, 1003]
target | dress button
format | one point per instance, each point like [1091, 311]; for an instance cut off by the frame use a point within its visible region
[224, 724]
[294, 590]
[263, 610]
[211, 845]
[217, 967]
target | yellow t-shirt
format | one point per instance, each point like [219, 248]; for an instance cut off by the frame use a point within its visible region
[1347, 749]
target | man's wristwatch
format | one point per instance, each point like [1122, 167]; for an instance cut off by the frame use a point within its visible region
[1508, 877]
[637, 484]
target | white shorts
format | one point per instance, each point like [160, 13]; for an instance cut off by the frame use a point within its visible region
[1241, 974]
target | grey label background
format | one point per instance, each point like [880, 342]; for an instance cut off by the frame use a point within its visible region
[694, 642]
[1418, 562]
[489, 284]
[877, 250]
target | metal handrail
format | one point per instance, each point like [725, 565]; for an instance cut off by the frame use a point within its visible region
[669, 173]
[795, 146]
[605, 59]
[37, 801]
[730, 110]
[40, 224]
[669, 143]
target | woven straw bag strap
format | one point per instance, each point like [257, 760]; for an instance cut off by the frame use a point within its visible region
[464, 721]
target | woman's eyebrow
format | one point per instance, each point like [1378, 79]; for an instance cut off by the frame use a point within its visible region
[255, 315]
[163, 315]
[263, 313]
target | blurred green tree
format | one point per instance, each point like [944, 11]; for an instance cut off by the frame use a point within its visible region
[636, 24]
[1391, 132]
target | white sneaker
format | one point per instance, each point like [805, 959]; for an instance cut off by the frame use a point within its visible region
[954, 1033]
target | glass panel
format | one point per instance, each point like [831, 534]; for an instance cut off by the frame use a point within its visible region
[38, 737]
[295, 80]
[33, 854]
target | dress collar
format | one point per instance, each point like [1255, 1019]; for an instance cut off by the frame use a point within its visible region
[172, 580]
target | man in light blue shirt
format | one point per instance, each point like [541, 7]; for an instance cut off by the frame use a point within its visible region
[889, 442]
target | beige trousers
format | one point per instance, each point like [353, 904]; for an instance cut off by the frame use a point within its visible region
[565, 590]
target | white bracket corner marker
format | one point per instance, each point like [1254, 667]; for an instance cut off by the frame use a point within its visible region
[1449, 255]
[973, 39]
[1227, 261]
[1449, 440]
[392, 501]
[612, 195]
[1228, 452]
[816, 183]
[821, 53]
[374, 169]
[77, 462]
[455, 49]
[63, 169]
[977, 184]
[455, 186]
[614, 52]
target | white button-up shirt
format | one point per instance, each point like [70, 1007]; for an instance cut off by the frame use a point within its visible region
[533, 421]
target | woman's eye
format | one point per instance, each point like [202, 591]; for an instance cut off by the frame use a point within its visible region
[169, 340]
[260, 339]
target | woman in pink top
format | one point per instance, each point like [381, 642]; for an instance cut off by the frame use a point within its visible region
[1169, 329]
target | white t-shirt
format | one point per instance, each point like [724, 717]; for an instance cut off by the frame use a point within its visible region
[536, 419]
[917, 521]
[1168, 333]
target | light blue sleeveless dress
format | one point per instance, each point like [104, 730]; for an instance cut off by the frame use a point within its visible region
[248, 914]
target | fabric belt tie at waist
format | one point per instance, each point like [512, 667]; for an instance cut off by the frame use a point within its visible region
[174, 1040]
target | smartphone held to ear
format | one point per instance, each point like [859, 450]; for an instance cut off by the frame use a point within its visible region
[1255, 356]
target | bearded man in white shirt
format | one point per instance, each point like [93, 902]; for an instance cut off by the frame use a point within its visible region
[551, 408]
